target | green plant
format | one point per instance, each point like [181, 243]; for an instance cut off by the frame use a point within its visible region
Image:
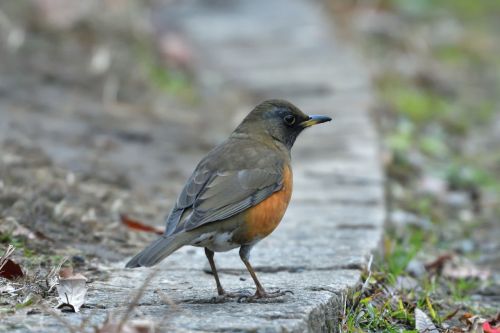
[460, 289]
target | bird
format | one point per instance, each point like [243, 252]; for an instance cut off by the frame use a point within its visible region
[238, 193]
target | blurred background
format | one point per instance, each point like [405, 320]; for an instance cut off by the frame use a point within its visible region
[91, 90]
[436, 74]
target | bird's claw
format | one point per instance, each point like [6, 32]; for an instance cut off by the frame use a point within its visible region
[264, 295]
[227, 296]
[280, 293]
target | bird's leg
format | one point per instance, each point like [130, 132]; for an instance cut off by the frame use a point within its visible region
[260, 292]
[210, 257]
[222, 293]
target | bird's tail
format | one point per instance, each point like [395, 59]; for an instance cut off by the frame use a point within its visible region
[158, 250]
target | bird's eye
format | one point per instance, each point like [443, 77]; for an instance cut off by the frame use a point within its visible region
[289, 119]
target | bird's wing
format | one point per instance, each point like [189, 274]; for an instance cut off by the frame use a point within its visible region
[212, 195]
[231, 192]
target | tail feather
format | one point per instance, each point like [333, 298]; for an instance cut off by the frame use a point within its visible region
[157, 251]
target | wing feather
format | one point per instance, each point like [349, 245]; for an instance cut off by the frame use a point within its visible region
[220, 188]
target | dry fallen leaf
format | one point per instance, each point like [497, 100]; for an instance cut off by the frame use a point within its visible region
[71, 291]
[451, 314]
[65, 272]
[475, 324]
[423, 323]
[139, 226]
[438, 264]
[8, 268]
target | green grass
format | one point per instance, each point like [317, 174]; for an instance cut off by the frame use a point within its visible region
[461, 289]
[398, 252]
[20, 243]
[17, 242]
[465, 176]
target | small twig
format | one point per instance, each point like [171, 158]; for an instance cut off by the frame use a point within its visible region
[451, 314]
[369, 269]
[6, 255]
[164, 297]
[53, 274]
[344, 311]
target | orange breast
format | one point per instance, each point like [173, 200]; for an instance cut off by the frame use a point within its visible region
[264, 217]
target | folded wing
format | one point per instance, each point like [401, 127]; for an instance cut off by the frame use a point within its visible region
[212, 195]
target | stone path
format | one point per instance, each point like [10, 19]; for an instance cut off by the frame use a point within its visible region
[273, 49]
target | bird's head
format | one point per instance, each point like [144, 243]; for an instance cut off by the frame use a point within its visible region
[279, 120]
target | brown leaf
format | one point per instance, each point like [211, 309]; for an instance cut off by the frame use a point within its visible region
[477, 324]
[465, 317]
[474, 323]
[66, 272]
[451, 314]
[10, 270]
[41, 235]
[139, 226]
[438, 264]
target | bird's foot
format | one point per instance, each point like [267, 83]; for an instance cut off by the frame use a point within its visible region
[227, 296]
[262, 294]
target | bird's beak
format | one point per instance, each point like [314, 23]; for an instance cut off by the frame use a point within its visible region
[314, 120]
